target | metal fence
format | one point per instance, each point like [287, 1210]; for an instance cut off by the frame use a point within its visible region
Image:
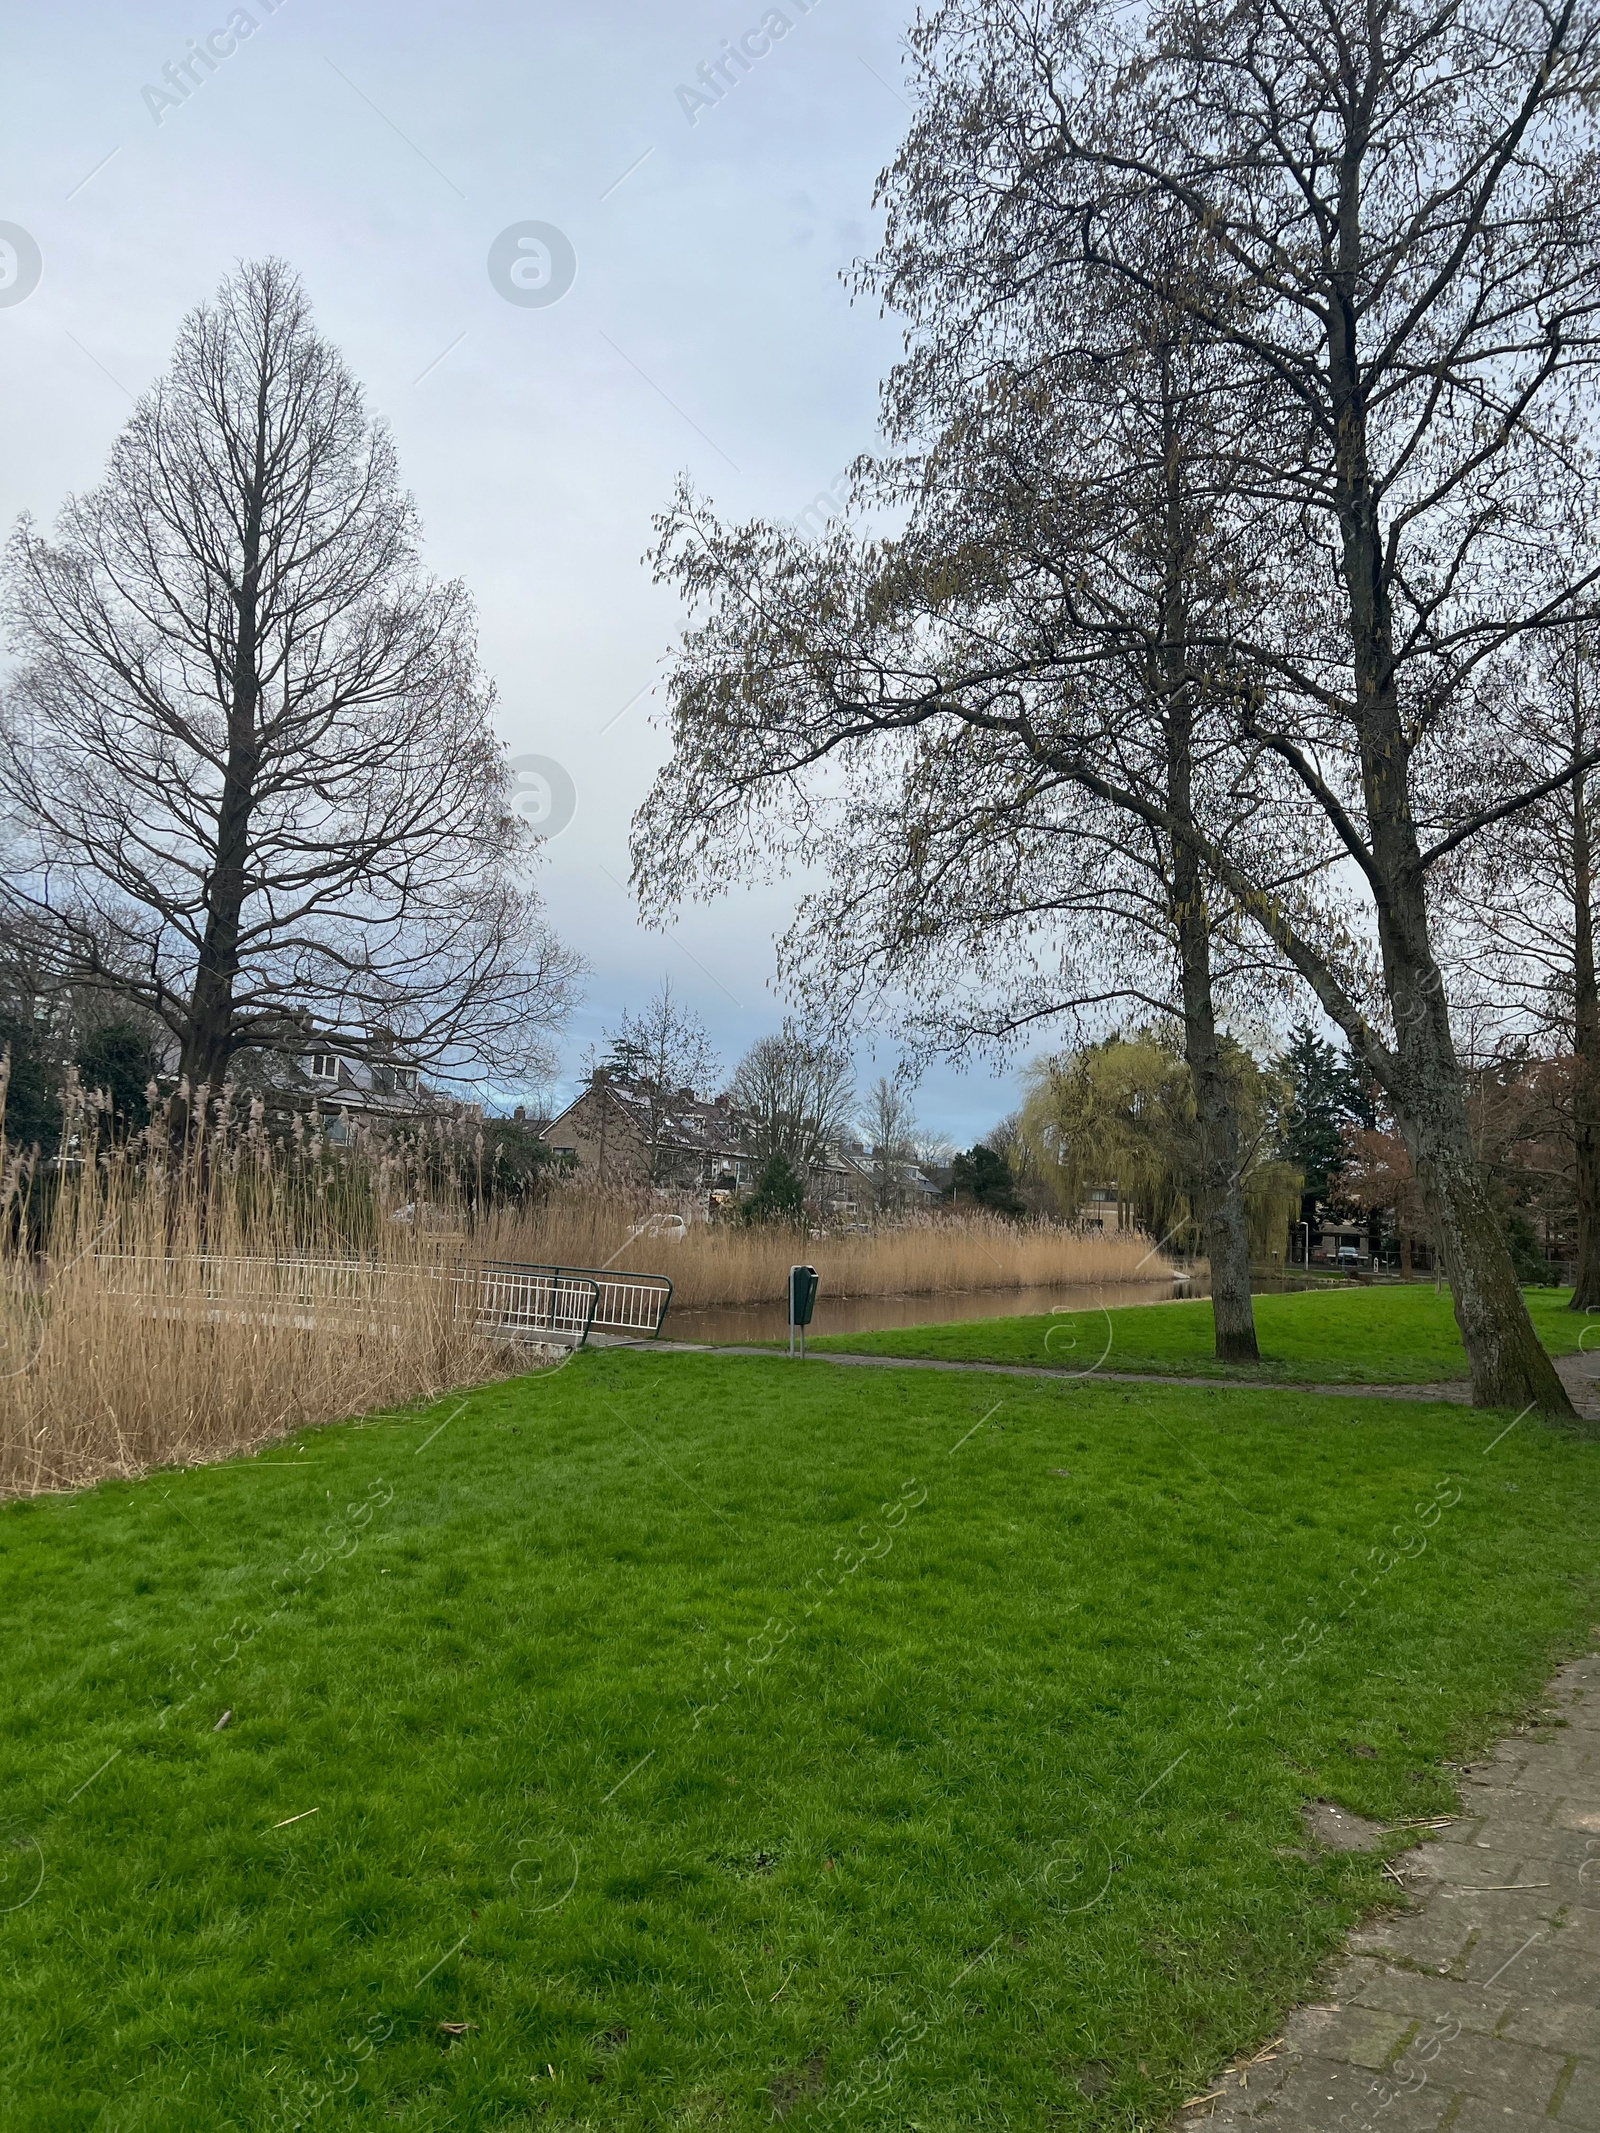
[503, 1300]
[354, 1295]
[633, 1303]
[624, 1303]
[530, 1303]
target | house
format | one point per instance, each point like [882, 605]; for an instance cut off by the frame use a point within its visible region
[843, 1183]
[1339, 1239]
[634, 1132]
[1106, 1211]
[629, 1131]
[847, 1180]
[368, 1090]
[360, 1082]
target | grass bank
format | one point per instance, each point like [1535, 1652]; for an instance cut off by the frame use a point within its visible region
[1355, 1336]
[135, 1330]
[680, 1741]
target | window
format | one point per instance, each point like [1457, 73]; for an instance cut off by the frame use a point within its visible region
[405, 1078]
[324, 1066]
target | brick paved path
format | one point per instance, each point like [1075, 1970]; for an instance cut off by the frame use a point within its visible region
[1478, 2008]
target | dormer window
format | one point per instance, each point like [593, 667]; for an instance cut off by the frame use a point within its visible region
[324, 1066]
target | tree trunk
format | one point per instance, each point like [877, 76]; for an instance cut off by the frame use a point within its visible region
[1585, 1038]
[1222, 1208]
[1221, 1180]
[1509, 1366]
[209, 1045]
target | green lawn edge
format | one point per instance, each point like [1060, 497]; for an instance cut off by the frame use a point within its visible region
[1382, 1335]
[1005, 1831]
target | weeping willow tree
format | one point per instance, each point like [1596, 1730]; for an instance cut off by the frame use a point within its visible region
[1120, 1116]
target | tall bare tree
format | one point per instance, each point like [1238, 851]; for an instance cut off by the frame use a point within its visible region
[1063, 593]
[1399, 211]
[889, 1126]
[797, 1093]
[665, 1053]
[248, 746]
[1523, 905]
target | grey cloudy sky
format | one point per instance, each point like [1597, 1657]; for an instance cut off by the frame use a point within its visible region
[381, 150]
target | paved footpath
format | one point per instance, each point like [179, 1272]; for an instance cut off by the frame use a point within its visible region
[1477, 2007]
[1456, 1390]
[1580, 1373]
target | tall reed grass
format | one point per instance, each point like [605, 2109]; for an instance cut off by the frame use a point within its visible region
[725, 1263]
[140, 1327]
[147, 1318]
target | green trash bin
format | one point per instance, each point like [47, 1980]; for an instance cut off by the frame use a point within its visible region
[802, 1302]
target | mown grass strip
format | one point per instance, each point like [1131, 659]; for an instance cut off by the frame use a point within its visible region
[856, 1767]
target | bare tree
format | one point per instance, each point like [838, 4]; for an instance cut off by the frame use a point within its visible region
[666, 1044]
[797, 1093]
[1523, 916]
[1065, 591]
[1399, 212]
[1400, 216]
[889, 1126]
[666, 1054]
[249, 745]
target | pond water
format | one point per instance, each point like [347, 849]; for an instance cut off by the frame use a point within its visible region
[876, 1314]
[738, 1323]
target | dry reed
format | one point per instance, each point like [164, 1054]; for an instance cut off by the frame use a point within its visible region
[725, 1263]
[148, 1318]
[143, 1323]
[136, 1341]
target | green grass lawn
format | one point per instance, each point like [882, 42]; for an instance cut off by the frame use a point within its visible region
[678, 1741]
[1355, 1336]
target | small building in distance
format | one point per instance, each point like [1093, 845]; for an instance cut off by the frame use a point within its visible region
[847, 1182]
[1343, 1243]
[842, 1183]
[1106, 1211]
[630, 1132]
[374, 1092]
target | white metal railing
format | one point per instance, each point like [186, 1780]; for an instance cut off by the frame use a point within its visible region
[353, 1294]
[635, 1304]
[624, 1303]
[530, 1302]
[503, 1300]
[223, 1278]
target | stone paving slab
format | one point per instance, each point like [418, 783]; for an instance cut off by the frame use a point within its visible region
[1522, 1834]
[1580, 2105]
[1474, 2006]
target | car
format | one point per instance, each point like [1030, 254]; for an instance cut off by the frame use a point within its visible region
[1348, 1255]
